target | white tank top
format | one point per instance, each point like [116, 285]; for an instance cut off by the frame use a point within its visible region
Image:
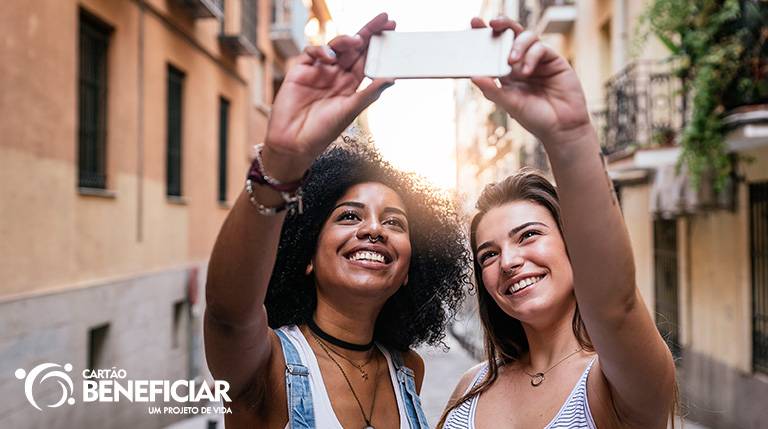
[325, 418]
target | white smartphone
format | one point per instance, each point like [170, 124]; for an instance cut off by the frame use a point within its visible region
[443, 54]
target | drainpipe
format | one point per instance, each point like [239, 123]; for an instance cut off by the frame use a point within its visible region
[140, 130]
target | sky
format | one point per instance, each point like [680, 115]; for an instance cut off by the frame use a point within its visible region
[413, 121]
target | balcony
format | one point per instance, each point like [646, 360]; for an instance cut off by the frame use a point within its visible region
[556, 16]
[645, 107]
[238, 33]
[203, 8]
[287, 31]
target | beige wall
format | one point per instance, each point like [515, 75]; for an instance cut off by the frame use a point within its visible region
[55, 237]
[720, 282]
[637, 216]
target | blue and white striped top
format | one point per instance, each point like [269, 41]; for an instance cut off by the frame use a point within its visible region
[573, 414]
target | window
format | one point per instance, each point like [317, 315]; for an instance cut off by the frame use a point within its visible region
[174, 142]
[97, 338]
[178, 322]
[665, 281]
[92, 102]
[758, 226]
[223, 143]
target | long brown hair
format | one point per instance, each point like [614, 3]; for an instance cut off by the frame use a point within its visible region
[505, 340]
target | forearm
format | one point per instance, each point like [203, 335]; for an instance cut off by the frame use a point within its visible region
[242, 261]
[596, 237]
[245, 251]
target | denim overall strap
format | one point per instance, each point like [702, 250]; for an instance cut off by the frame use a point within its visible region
[301, 413]
[411, 400]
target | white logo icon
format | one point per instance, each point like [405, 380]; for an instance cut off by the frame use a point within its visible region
[50, 371]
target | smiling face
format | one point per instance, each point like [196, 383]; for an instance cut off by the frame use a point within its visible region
[525, 267]
[364, 246]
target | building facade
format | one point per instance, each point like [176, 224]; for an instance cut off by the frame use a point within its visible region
[126, 129]
[700, 254]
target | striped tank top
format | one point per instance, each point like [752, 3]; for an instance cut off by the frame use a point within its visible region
[573, 414]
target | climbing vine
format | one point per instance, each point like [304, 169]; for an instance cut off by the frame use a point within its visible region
[722, 49]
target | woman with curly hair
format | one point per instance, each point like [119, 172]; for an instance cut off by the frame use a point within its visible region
[569, 341]
[313, 327]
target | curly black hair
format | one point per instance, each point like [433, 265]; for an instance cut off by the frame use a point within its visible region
[440, 263]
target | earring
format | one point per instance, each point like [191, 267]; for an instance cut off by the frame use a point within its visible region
[309, 269]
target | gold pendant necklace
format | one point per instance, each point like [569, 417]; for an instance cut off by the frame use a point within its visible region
[369, 416]
[538, 378]
[359, 366]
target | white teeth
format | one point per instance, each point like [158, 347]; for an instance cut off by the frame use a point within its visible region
[523, 284]
[365, 255]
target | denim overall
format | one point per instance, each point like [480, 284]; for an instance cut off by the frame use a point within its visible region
[301, 413]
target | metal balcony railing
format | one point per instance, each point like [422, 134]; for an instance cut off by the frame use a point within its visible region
[644, 107]
[204, 8]
[556, 16]
[543, 4]
[287, 30]
[240, 36]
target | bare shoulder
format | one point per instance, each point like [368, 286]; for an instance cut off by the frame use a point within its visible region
[467, 378]
[464, 382]
[414, 361]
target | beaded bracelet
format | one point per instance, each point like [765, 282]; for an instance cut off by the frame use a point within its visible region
[290, 192]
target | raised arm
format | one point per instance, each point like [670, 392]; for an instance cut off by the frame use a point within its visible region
[544, 95]
[317, 101]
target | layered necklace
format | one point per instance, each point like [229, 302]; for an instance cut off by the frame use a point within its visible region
[320, 337]
[538, 378]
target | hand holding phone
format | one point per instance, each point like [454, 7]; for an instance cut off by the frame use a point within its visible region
[444, 54]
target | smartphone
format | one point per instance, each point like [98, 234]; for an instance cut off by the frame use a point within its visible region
[441, 54]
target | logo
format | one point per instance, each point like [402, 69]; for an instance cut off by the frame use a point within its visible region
[113, 385]
[48, 371]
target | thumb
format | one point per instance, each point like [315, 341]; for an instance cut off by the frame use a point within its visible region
[489, 88]
[366, 96]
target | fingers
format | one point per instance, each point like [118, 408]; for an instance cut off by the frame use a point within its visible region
[369, 94]
[346, 43]
[323, 54]
[502, 23]
[477, 23]
[532, 58]
[348, 49]
[378, 24]
[489, 88]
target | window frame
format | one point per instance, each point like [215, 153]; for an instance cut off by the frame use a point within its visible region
[94, 39]
[224, 119]
[174, 149]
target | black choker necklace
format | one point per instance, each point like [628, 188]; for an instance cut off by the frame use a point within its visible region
[335, 341]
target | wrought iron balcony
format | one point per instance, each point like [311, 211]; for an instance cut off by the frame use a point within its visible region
[644, 107]
[204, 8]
[287, 32]
[239, 28]
[556, 16]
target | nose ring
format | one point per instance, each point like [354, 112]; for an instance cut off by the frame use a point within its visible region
[374, 239]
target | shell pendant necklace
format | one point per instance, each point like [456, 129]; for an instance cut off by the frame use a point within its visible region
[538, 378]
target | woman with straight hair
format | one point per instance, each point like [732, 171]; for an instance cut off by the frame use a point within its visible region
[322, 281]
[569, 341]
